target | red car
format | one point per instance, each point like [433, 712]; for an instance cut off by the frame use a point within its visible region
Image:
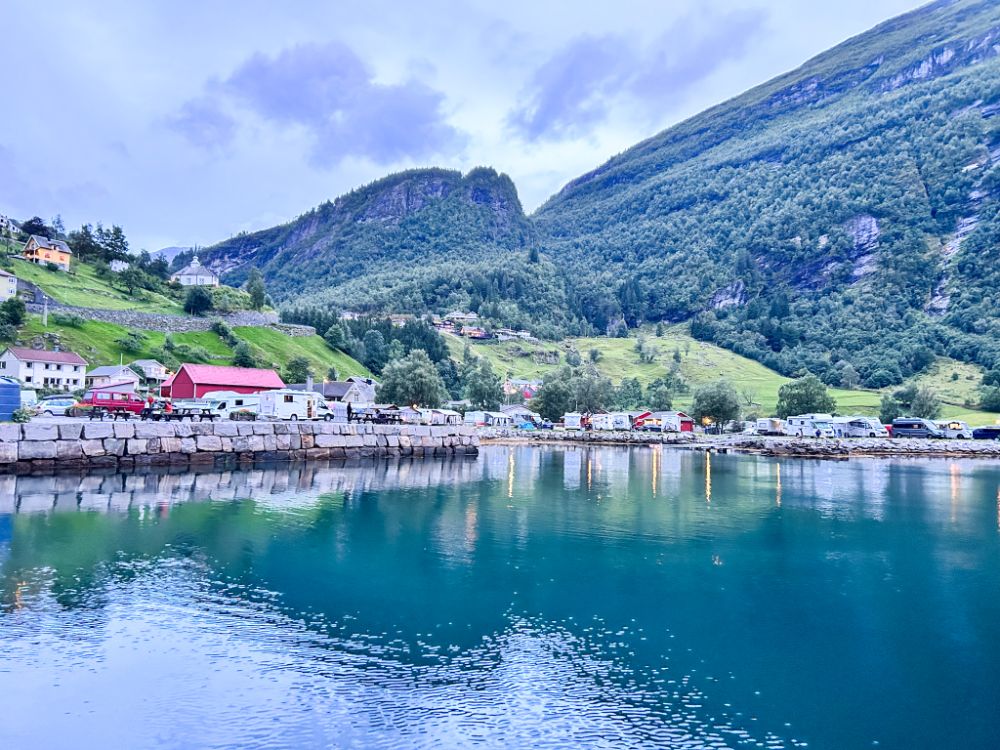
[112, 401]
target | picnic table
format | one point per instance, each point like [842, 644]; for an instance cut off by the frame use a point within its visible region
[115, 412]
[178, 414]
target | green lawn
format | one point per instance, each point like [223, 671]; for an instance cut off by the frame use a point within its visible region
[702, 363]
[81, 287]
[95, 342]
[280, 348]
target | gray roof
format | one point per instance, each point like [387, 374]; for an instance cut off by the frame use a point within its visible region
[47, 244]
[333, 390]
[195, 268]
[107, 371]
[147, 363]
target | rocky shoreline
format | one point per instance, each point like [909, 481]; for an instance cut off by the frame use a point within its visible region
[768, 446]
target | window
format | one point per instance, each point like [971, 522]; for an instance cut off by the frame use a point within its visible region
[27, 378]
[3, 365]
[289, 398]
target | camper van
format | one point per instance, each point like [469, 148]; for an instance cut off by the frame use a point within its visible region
[294, 405]
[915, 427]
[227, 403]
[955, 429]
[601, 422]
[810, 425]
[770, 427]
[859, 427]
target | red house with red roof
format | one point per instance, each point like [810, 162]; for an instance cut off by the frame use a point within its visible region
[194, 381]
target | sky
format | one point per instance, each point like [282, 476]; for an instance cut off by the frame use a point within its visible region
[187, 121]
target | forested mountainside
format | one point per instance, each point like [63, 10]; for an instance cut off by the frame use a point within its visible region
[425, 239]
[843, 214]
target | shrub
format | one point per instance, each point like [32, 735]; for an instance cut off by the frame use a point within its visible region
[21, 415]
[51, 266]
[133, 341]
[67, 320]
[198, 301]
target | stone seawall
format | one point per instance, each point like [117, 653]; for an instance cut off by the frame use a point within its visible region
[80, 444]
[770, 446]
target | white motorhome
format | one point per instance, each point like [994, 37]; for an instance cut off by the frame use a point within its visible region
[810, 425]
[770, 427]
[227, 403]
[859, 426]
[284, 403]
[602, 422]
[955, 429]
[621, 421]
[573, 421]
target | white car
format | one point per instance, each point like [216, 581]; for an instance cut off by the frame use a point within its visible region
[55, 406]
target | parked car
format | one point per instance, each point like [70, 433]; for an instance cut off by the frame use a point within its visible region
[112, 401]
[986, 433]
[955, 429]
[915, 427]
[56, 406]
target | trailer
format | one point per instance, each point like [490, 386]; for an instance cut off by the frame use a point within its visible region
[770, 426]
[284, 403]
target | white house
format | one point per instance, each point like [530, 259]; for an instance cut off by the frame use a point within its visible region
[8, 226]
[112, 374]
[8, 285]
[150, 369]
[195, 275]
[42, 369]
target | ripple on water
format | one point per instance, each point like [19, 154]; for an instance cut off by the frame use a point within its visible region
[164, 655]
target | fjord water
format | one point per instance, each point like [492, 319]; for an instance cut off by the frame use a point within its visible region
[564, 598]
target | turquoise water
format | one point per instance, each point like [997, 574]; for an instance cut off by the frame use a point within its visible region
[533, 598]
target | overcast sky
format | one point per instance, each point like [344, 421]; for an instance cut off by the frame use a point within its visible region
[188, 121]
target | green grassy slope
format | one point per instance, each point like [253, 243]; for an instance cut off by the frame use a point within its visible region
[95, 342]
[701, 363]
[81, 287]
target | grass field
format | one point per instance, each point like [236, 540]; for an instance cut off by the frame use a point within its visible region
[81, 287]
[703, 363]
[95, 342]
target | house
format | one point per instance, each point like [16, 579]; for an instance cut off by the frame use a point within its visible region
[108, 374]
[195, 274]
[527, 389]
[8, 285]
[8, 227]
[474, 332]
[366, 387]
[42, 369]
[42, 250]
[194, 381]
[460, 318]
[344, 391]
[152, 371]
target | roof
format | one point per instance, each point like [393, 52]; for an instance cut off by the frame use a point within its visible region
[25, 354]
[107, 371]
[249, 377]
[46, 244]
[146, 363]
[195, 268]
[5, 273]
[332, 389]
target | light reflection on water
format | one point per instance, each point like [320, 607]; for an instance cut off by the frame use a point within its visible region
[532, 598]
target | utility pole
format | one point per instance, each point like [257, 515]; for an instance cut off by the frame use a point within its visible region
[45, 312]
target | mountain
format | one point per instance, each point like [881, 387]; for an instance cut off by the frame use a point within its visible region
[842, 218]
[425, 239]
[169, 253]
[844, 213]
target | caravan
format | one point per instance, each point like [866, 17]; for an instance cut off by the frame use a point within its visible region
[858, 426]
[284, 403]
[227, 403]
[810, 425]
[770, 426]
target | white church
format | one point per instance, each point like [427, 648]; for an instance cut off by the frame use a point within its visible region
[195, 275]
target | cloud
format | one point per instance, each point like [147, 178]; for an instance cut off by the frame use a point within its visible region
[331, 93]
[203, 123]
[574, 89]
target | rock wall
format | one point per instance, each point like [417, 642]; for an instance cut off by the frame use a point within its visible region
[174, 323]
[45, 447]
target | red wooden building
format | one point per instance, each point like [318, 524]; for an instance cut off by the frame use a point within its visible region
[194, 381]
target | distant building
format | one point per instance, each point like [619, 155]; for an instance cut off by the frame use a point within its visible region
[8, 285]
[112, 375]
[42, 250]
[195, 274]
[150, 369]
[8, 226]
[194, 381]
[43, 369]
[462, 317]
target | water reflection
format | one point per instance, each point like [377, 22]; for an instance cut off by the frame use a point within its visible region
[531, 598]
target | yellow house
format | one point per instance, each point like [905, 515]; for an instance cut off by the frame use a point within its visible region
[42, 250]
